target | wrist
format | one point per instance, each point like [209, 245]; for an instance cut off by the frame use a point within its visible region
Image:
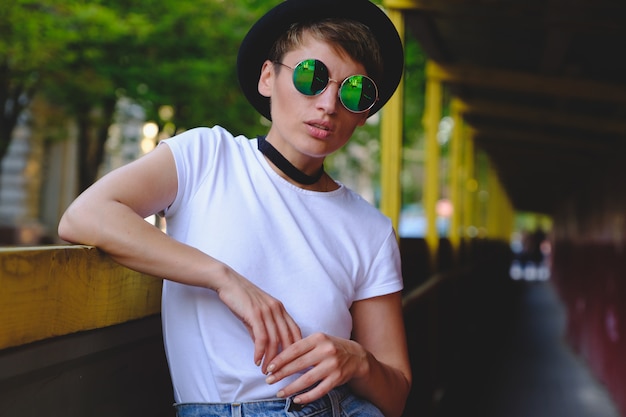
[364, 362]
[217, 276]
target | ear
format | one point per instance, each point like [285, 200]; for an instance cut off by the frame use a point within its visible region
[266, 79]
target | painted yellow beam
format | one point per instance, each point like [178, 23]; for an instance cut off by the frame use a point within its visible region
[456, 161]
[58, 290]
[391, 144]
[432, 117]
[495, 215]
[499, 212]
[470, 187]
[400, 4]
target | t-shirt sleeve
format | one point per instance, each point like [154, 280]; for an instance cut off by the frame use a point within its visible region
[194, 154]
[385, 275]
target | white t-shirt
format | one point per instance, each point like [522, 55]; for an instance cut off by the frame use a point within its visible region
[317, 252]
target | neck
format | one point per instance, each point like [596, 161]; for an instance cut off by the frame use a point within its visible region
[285, 166]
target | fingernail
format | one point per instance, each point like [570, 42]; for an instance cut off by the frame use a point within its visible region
[258, 363]
[280, 394]
[270, 379]
[271, 367]
[297, 400]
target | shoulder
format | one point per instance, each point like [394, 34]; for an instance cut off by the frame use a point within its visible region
[202, 143]
[203, 136]
[361, 209]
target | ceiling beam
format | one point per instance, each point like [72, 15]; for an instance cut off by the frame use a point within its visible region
[578, 15]
[537, 141]
[516, 162]
[541, 116]
[476, 7]
[522, 82]
[558, 38]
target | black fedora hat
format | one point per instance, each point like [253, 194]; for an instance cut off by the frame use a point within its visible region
[256, 45]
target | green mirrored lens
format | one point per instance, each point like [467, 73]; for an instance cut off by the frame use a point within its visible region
[358, 93]
[310, 77]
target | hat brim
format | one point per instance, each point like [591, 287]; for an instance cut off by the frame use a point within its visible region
[255, 47]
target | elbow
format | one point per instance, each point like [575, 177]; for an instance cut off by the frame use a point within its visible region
[402, 390]
[407, 391]
[65, 230]
[69, 228]
[397, 409]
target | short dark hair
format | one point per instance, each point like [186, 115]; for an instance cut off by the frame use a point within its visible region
[353, 37]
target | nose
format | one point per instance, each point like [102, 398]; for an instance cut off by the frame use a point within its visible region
[328, 100]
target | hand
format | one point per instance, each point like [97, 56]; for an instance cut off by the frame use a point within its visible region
[265, 317]
[332, 361]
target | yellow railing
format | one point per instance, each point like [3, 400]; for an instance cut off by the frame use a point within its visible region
[52, 291]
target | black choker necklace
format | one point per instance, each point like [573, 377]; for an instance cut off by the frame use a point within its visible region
[287, 167]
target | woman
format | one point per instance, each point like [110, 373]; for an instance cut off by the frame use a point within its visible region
[282, 286]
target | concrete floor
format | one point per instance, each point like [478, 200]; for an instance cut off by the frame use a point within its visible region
[526, 369]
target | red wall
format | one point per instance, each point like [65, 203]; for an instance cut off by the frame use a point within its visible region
[589, 269]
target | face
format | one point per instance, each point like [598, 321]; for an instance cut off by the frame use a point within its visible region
[306, 129]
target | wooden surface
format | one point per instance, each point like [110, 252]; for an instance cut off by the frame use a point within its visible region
[57, 290]
[118, 371]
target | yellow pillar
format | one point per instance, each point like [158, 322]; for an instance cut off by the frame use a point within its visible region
[494, 215]
[392, 116]
[456, 151]
[481, 197]
[501, 209]
[432, 117]
[470, 187]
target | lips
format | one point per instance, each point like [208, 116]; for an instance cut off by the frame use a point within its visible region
[319, 130]
[319, 126]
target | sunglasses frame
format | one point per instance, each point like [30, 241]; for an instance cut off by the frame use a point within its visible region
[341, 84]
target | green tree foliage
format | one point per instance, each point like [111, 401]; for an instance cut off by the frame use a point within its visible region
[83, 55]
[188, 62]
[32, 34]
[413, 140]
[88, 73]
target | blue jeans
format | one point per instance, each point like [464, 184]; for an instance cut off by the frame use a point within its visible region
[340, 402]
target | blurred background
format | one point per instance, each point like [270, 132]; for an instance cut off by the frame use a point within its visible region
[500, 162]
[87, 86]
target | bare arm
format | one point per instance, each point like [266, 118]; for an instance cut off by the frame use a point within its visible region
[375, 363]
[110, 215]
[379, 329]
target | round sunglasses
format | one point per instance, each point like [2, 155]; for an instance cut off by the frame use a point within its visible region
[357, 93]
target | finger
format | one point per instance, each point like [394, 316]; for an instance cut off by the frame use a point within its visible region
[293, 331]
[311, 385]
[289, 332]
[267, 340]
[259, 338]
[272, 342]
[282, 331]
[316, 393]
[295, 359]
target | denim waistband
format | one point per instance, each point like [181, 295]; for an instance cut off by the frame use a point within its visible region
[266, 408]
